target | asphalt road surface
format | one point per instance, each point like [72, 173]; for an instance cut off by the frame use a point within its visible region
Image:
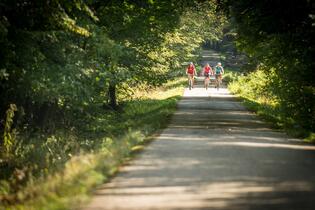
[215, 155]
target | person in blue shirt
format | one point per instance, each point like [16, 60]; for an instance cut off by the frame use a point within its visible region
[218, 71]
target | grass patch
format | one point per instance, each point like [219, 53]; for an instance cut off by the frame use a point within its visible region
[61, 169]
[276, 120]
[310, 138]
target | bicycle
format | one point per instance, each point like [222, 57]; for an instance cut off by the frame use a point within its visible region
[207, 71]
[191, 72]
[206, 82]
[218, 75]
[190, 81]
[218, 81]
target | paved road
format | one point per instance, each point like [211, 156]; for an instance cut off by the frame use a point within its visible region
[215, 155]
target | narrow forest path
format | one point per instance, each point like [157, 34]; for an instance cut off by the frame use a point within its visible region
[215, 155]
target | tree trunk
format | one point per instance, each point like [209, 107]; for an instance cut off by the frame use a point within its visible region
[112, 95]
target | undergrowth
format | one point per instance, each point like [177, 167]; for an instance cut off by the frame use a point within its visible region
[257, 95]
[59, 170]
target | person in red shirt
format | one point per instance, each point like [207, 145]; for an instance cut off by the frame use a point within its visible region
[191, 72]
[207, 71]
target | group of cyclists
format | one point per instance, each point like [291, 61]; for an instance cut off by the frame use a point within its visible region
[207, 71]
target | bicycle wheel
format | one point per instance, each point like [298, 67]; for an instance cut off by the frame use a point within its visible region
[218, 85]
[206, 83]
[219, 82]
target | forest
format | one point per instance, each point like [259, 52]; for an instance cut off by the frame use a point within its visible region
[85, 83]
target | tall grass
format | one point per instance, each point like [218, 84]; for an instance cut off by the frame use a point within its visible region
[59, 170]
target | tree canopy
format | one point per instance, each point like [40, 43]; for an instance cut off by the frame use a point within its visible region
[68, 54]
[278, 37]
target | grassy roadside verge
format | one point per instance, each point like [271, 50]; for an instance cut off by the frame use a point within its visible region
[106, 141]
[253, 92]
[274, 118]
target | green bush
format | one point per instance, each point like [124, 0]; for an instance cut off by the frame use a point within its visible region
[262, 93]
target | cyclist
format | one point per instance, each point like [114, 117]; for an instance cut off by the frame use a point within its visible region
[191, 72]
[218, 74]
[207, 71]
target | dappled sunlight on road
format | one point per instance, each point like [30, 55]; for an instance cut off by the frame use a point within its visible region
[200, 172]
[199, 91]
[266, 145]
[233, 195]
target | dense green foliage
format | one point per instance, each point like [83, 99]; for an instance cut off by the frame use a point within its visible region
[278, 37]
[67, 55]
[258, 96]
[70, 72]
